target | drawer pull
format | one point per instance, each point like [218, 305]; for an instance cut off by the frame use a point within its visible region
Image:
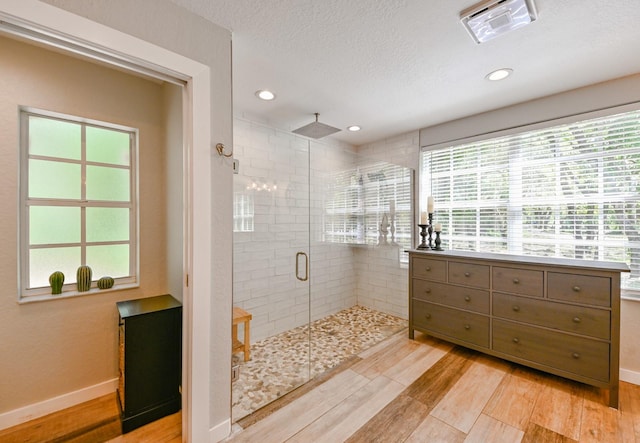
[577, 288]
[516, 281]
[516, 340]
[467, 327]
[427, 291]
[427, 316]
[467, 274]
[575, 355]
[516, 308]
[428, 268]
[576, 319]
[467, 298]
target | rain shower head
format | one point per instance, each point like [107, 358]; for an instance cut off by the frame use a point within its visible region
[316, 129]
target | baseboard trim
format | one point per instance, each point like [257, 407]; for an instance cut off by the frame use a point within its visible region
[632, 377]
[220, 431]
[37, 410]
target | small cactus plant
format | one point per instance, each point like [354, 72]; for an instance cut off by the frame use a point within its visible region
[105, 283]
[84, 278]
[56, 280]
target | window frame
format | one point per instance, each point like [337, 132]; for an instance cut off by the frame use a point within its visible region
[425, 188]
[27, 294]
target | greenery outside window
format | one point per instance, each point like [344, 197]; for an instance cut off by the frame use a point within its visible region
[571, 190]
[77, 198]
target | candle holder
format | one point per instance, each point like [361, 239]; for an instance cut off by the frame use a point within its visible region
[438, 242]
[423, 234]
[430, 229]
[392, 229]
[384, 230]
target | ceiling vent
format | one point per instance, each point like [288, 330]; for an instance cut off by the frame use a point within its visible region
[492, 18]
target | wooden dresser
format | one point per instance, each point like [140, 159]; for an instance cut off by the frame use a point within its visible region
[557, 315]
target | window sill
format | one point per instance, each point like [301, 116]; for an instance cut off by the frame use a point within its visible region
[630, 295]
[74, 294]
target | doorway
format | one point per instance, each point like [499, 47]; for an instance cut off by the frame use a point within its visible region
[35, 16]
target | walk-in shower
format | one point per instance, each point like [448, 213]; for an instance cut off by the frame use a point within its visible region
[304, 210]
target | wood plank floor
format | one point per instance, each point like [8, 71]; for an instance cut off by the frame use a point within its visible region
[95, 421]
[427, 390]
[401, 390]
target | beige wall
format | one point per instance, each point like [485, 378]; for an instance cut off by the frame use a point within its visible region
[174, 167]
[55, 347]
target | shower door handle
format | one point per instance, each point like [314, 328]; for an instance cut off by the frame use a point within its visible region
[306, 266]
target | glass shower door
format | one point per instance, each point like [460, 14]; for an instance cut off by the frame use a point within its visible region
[271, 265]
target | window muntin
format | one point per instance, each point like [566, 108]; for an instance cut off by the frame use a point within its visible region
[571, 190]
[77, 201]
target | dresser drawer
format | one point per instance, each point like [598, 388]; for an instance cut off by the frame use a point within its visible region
[429, 268]
[469, 274]
[518, 281]
[457, 296]
[577, 355]
[584, 289]
[464, 326]
[580, 320]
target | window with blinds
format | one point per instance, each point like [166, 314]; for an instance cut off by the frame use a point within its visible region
[571, 190]
[358, 199]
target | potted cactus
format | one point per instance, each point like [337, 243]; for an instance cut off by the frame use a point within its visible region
[84, 278]
[56, 280]
[105, 283]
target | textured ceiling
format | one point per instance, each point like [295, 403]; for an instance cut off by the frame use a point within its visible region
[393, 66]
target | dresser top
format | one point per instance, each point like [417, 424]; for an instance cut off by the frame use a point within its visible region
[525, 259]
[130, 308]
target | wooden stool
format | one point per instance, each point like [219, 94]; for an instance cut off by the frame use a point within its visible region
[241, 316]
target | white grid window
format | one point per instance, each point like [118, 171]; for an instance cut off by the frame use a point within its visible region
[243, 211]
[77, 194]
[571, 190]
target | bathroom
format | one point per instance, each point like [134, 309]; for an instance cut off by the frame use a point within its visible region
[313, 269]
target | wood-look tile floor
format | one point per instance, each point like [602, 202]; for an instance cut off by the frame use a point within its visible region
[401, 390]
[427, 390]
[95, 421]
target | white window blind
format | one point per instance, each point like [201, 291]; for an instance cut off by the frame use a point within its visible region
[571, 190]
[358, 198]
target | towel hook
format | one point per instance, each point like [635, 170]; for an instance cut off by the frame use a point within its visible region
[220, 149]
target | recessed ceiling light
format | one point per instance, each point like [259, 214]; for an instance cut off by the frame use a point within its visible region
[266, 95]
[499, 74]
[354, 128]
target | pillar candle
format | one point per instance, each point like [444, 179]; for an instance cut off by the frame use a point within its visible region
[437, 227]
[392, 207]
[430, 204]
[423, 218]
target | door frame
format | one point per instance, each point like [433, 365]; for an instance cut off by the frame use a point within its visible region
[50, 21]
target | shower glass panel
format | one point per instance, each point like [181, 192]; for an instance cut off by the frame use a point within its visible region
[271, 295]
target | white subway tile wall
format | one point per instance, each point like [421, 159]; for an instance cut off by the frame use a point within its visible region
[286, 174]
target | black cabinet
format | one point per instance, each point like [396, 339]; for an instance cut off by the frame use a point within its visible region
[150, 359]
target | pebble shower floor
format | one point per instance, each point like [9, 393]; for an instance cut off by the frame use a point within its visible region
[280, 363]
